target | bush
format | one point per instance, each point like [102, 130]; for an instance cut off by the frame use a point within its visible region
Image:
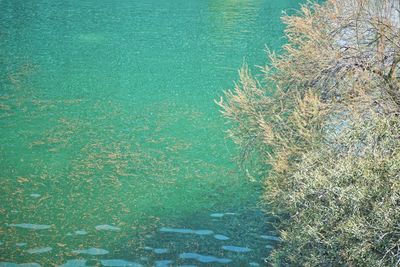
[325, 118]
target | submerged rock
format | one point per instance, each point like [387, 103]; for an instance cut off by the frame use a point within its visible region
[236, 249]
[163, 263]
[74, 263]
[30, 226]
[106, 227]
[160, 250]
[91, 251]
[203, 232]
[217, 215]
[80, 232]
[176, 230]
[221, 237]
[220, 215]
[39, 250]
[21, 244]
[119, 263]
[254, 264]
[186, 231]
[11, 264]
[203, 258]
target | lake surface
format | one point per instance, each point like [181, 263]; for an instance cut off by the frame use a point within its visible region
[112, 150]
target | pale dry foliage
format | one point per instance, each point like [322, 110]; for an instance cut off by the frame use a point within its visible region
[325, 118]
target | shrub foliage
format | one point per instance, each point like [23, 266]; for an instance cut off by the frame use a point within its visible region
[325, 116]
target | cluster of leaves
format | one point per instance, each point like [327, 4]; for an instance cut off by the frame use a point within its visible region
[326, 118]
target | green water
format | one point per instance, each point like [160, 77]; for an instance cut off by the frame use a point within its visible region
[107, 118]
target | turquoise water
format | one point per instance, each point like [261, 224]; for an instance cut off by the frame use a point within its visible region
[112, 149]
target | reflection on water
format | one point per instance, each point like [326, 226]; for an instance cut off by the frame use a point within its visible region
[229, 19]
[112, 150]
